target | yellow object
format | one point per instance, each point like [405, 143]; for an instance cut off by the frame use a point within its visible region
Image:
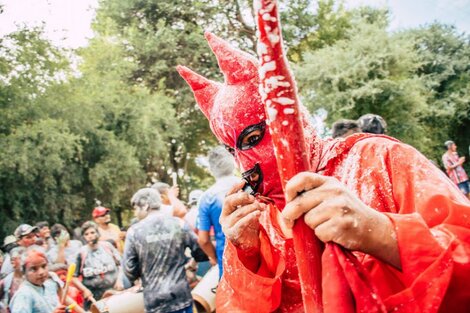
[71, 306]
[71, 271]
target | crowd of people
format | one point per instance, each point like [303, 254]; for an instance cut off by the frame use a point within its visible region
[164, 252]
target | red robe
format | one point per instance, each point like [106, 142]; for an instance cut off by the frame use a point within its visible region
[432, 224]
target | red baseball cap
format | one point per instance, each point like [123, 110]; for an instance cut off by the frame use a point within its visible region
[100, 211]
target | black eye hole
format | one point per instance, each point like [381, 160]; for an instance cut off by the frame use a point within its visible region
[230, 149]
[251, 136]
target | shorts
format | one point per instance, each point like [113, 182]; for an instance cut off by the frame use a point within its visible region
[464, 187]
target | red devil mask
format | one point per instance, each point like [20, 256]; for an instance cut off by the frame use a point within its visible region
[237, 116]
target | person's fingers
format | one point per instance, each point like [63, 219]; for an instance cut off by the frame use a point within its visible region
[323, 212]
[327, 231]
[249, 221]
[305, 202]
[232, 202]
[243, 211]
[303, 182]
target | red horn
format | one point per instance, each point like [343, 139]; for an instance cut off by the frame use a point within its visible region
[237, 66]
[204, 89]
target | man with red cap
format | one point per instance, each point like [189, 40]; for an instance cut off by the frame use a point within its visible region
[108, 231]
[408, 226]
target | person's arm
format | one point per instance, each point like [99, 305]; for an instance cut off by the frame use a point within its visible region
[60, 254]
[87, 294]
[191, 242]
[206, 245]
[256, 265]
[117, 259]
[432, 229]
[204, 224]
[2, 286]
[179, 209]
[131, 266]
[76, 308]
[449, 165]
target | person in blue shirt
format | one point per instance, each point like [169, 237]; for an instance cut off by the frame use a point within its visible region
[221, 165]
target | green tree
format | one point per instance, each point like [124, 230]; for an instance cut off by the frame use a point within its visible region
[39, 155]
[444, 58]
[371, 71]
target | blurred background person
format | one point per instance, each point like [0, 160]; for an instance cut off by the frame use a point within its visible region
[41, 290]
[171, 204]
[26, 235]
[155, 253]
[11, 283]
[108, 231]
[191, 216]
[372, 123]
[8, 244]
[98, 263]
[343, 128]
[221, 165]
[453, 165]
[44, 235]
[64, 250]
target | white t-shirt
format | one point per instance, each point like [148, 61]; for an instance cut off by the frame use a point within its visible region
[166, 209]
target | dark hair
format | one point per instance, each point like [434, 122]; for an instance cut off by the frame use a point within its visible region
[372, 123]
[87, 225]
[56, 229]
[161, 187]
[342, 126]
[42, 224]
[448, 144]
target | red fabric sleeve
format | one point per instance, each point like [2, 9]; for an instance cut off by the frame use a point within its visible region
[242, 290]
[433, 234]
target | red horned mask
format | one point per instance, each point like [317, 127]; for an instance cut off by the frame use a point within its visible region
[237, 116]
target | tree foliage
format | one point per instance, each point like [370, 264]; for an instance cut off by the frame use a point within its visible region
[103, 121]
[415, 79]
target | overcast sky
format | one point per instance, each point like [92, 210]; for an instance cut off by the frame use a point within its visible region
[67, 22]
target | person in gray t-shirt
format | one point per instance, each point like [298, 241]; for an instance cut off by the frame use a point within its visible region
[154, 251]
[98, 264]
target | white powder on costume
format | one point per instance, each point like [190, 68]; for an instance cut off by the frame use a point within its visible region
[262, 48]
[272, 113]
[274, 38]
[284, 100]
[268, 17]
[266, 67]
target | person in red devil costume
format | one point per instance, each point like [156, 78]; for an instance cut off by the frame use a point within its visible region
[407, 224]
